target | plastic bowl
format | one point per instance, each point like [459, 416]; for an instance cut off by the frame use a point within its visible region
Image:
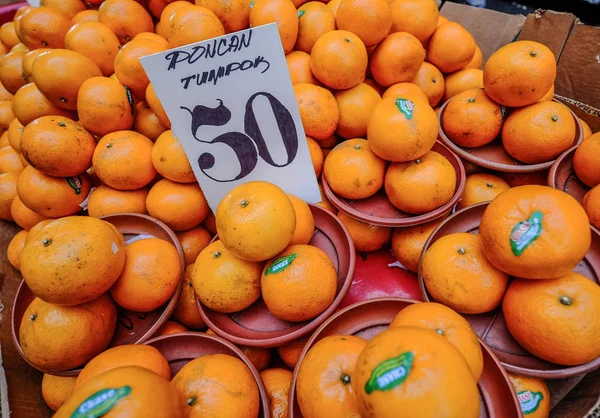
[378, 210]
[132, 327]
[491, 326]
[369, 318]
[255, 326]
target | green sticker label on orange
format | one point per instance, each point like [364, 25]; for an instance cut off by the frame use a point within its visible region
[300, 13]
[526, 232]
[405, 106]
[390, 373]
[280, 264]
[100, 402]
[75, 183]
[530, 401]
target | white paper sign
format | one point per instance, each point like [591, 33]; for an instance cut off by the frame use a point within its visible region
[232, 105]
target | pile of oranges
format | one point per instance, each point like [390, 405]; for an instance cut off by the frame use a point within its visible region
[82, 130]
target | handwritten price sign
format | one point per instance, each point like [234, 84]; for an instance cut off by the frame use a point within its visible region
[231, 104]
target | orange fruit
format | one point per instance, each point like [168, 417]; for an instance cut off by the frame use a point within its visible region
[329, 367]
[397, 59]
[334, 5]
[551, 318]
[414, 370]
[14, 249]
[318, 110]
[162, 28]
[447, 323]
[28, 60]
[29, 104]
[298, 284]
[587, 132]
[339, 59]
[15, 129]
[538, 133]
[104, 106]
[128, 67]
[353, 171]
[95, 41]
[366, 237]
[146, 122]
[19, 47]
[123, 160]
[139, 355]
[193, 241]
[472, 119]
[415, 122]
[42, 27]
[522, 179]
[59, 74]
[305, 222]
[408, 243]
[477, 60]
[53, 197]
[6, 95]
[150, 276]
[259, 357]
[417, 17]
[68, 7]
[535, 232]
[8, 35]
[259, 210]
[281, 12]
[481, 187]
[408, 90]
[4, 142]
[11, 71]
[38, 227]
[463, 80]
[151, 36]
[211, 278]
[86, 16]
[356, 105]
[314, 20]
[586, 161]
[66, 272]
[11, 161]
[450, 36]
[6, 115]
[533, 395]
[170, 160]
[49, 331]
[156, 106]
[316, 155]
[192, 24]
[180, 206]
[298, 63]
[431, 81]
[105, 200]
[548, 96]
[136, 393]
[57, 146]
[210, 223]
[234, 15]
[8, 191]
[125, 18]
[369, 81]
[23, 216]
[217, 385]
[169, 328]
[591, 204]
[520, 73]
[57, 389]
[277, 383]
[370, 20]
[457, 274]
[422, 185]
[290, 352]
[186, 311]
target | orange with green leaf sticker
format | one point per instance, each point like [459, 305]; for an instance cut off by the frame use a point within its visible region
[533, 395]
[416, 371]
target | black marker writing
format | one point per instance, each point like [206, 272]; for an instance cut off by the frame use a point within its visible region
[214, 75]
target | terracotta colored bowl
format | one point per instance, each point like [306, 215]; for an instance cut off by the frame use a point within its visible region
[378, 210]
[562, 176]
[132, 327]
[180, 349]
[493, 156]
[369, 318]
[257, 327]
[491, 326]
